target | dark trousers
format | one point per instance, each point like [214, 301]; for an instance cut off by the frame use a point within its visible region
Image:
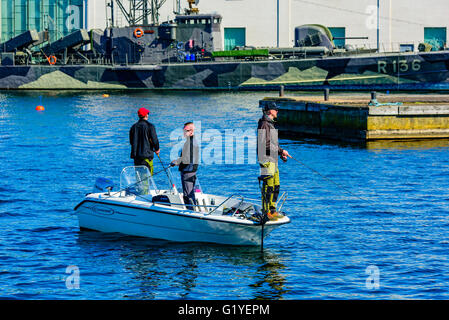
[188, 180]
[144, 162]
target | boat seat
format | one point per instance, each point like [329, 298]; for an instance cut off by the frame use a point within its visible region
[160, 198]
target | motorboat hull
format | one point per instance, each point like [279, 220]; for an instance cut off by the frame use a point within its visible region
[170, 223]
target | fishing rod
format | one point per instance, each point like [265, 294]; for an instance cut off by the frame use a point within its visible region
[165, 169]
[330, 180]
[166, 172]
[160, 171]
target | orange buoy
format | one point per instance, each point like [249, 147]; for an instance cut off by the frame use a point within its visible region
[138, 32]
[40, 108]
[52, 60]
[105, 95]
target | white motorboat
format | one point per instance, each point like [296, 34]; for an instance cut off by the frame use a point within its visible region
[139, 208]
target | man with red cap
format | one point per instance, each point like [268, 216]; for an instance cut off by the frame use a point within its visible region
[144, 141]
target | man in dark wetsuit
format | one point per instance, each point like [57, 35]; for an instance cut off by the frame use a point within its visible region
[188, 165]
[144, 141]
[268, 151]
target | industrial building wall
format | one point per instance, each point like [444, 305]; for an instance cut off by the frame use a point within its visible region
[60, 17]
[402, 22]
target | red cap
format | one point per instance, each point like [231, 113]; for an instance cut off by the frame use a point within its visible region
[142, 112]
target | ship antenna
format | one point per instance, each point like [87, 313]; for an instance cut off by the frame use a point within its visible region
[140, 10]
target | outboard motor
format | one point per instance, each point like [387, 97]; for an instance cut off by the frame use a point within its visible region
[103, 185]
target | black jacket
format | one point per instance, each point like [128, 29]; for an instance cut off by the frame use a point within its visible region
[189, 159]
[143, 140]
[267, 141]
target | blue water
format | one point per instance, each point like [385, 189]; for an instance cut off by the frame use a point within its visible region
[50, 159]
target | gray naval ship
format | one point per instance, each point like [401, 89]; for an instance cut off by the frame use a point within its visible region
[187, 53]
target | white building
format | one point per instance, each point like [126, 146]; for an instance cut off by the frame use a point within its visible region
[403, 24]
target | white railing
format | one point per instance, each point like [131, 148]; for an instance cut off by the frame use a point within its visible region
[386, 47]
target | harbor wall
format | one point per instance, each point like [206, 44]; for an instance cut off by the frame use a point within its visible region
[361, 122]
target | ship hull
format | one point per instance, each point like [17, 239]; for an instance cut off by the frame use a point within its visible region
[423, 71]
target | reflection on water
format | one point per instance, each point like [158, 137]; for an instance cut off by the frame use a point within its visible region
[164, 269]
[269, 273]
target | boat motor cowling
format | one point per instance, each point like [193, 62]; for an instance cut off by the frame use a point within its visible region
[103, 185]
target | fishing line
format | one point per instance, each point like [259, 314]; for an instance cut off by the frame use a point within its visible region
[359, 12]
[330, 180]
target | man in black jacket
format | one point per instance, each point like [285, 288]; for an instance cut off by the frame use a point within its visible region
[144, 141]
[188, 165]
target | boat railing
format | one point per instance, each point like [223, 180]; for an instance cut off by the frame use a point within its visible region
[227, 199]
[214, 207]
[179, 204]
[393, 47]
[281, 201]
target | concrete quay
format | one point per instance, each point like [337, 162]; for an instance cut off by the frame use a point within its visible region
[351, 118]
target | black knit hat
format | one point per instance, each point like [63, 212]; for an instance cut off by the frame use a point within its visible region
[270, 105]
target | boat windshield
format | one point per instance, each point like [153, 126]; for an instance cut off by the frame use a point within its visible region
[137, 180]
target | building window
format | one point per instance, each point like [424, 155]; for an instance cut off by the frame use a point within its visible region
[340, 34]
[60, 17]
[435, 37]
[234, 37]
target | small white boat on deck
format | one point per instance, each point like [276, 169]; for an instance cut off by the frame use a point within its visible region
[139, 208]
